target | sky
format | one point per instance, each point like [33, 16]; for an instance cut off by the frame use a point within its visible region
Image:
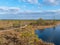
[17, 9]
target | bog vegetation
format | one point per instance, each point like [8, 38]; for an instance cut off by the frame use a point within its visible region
[43, 22]
[14, 35]
[20, 37]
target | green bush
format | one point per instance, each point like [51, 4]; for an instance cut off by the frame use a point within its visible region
[16, 25]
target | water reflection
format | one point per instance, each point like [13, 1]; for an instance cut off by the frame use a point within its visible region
[50, 34]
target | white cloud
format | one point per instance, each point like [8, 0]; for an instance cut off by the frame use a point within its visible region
[52, 2]
[47, 2]
[58, 10]
[9, 10]
[30, 1]
[33, 1]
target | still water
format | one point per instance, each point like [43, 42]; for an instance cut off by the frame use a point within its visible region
[50, 34]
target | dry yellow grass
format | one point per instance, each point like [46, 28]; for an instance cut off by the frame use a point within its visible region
[24, 36]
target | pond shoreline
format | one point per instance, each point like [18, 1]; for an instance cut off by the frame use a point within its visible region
[45, 26]
[42, 27]
[51, 34]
